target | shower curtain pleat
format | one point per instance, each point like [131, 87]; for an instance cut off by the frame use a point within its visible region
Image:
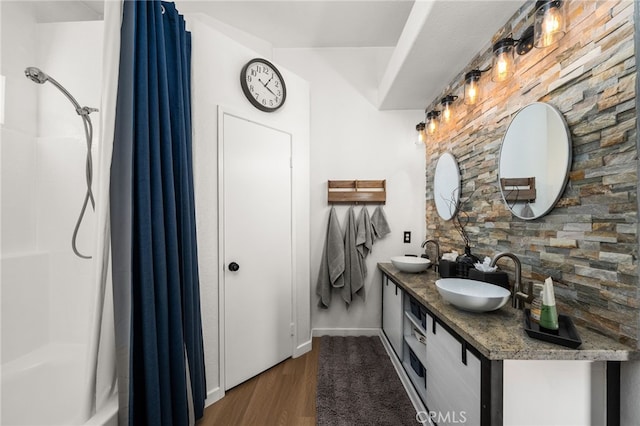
[165, 323]
[178, 49]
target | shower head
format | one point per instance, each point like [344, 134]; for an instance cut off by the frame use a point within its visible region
[36, 75]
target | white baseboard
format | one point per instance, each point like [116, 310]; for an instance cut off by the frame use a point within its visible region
[302, 349]
[343, 332]
[213, 396]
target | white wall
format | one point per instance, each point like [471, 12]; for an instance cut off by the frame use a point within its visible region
[351, 139]
[216, 64]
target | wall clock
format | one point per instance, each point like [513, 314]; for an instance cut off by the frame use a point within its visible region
[263, 85]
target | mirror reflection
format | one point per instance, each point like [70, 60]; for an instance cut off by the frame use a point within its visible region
[535, 159]
[446, 186]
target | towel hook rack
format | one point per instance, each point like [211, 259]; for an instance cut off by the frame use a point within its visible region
[519, 189]
[357, 191]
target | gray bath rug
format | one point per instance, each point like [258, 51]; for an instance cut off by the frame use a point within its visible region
[357, 385]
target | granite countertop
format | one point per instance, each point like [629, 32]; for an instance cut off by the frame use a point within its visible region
[500, 335]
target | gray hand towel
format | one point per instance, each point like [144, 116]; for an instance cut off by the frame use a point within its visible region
[331, 273]
[527, 211]
[379, 223]
[364, 238]
[353, 278]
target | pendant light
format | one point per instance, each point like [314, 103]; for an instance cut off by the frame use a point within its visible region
[421, 139]
[432, 122]
[471, 87]
[503, 65]
[550, 23]
[447, 114]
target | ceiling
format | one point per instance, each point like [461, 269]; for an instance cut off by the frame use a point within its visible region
[304, 23]
[432, 40]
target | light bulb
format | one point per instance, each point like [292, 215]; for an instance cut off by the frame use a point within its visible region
[502, 67]
[432, 126]
[551, 22]
[472, 93]
[446, 113]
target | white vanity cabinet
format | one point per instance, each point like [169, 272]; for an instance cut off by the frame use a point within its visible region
[392, 299]
[445, 376]
[453, 378]
[484, 370]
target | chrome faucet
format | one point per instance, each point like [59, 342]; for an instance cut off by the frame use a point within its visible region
[434, 242]
[518, 297]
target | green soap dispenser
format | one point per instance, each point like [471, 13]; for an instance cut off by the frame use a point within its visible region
[548, 314]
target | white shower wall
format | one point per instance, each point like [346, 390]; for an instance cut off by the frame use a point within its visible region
[72, 54]
[46, 290]
[19, 41]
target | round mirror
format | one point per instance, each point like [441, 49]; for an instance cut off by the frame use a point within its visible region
[446, 186]
[535, 159]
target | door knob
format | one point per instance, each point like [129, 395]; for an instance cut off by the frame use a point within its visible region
[233, 266]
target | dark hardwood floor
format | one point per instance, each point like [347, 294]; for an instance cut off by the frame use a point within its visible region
[283, 395]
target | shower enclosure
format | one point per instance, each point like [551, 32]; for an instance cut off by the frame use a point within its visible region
[48, 293]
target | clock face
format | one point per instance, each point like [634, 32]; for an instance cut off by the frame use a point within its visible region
[263, 85]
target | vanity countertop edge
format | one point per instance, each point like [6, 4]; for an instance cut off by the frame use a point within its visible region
[500, 335]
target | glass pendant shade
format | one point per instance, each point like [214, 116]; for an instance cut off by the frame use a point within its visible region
[421, 138]
[432, 122]
[503, 65]
[447, 110]
[472, 87]
[550, 23]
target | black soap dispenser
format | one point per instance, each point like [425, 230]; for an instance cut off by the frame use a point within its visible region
[465, 262]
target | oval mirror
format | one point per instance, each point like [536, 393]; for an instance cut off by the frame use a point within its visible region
[446, 186]
[535, 159]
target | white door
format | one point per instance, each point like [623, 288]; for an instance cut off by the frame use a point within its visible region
[257, 242]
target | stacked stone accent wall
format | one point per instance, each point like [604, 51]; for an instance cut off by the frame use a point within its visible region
[588, 243]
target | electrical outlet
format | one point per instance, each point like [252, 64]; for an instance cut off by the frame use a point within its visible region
[407, 236]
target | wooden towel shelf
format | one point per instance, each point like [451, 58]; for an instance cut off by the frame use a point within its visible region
[357, 191]
[519, 189]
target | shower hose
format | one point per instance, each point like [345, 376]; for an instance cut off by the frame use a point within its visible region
[88, 132]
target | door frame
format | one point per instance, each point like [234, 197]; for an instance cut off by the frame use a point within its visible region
[222, 111]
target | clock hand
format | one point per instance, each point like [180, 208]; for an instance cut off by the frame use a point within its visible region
[272, 74]
[267, 87]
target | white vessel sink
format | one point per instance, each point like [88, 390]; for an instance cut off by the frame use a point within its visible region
[472, 295]
[410, 263]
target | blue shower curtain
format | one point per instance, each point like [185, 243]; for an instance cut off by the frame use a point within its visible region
[155, 261]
